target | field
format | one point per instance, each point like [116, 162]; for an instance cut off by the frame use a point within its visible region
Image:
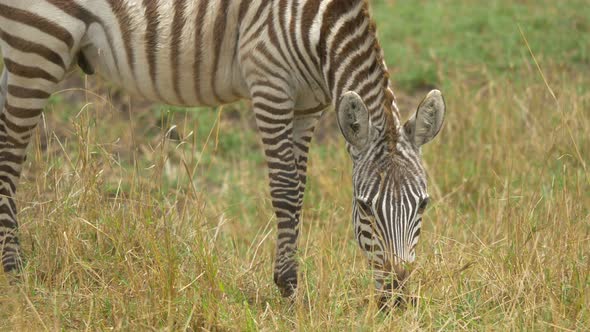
[145, 217]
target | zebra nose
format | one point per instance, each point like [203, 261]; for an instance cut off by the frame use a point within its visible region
[392, 292]
[399, 273]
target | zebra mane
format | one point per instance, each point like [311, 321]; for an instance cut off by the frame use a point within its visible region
[391, 114]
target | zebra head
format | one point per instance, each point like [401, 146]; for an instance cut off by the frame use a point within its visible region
[389, 183]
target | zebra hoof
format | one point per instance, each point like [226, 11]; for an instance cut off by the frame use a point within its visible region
[388, 303]
[14, 272]
[287, 283]
[287, 289]
[13, 264]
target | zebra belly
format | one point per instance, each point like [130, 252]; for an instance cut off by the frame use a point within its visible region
[186, 89]
[167, 59]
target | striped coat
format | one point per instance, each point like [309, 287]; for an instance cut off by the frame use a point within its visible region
[292, 58]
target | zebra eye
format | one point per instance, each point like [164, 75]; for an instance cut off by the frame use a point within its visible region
[364, 207]
[423, 205]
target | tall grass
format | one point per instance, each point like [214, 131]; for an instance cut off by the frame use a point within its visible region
[129, 225]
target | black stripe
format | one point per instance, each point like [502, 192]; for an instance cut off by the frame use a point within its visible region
[37, 22]
[14, 127]
[151, 41]
[120, 10]
[219, 36]
[201, 12]
[28, 46]
[178, 23]
[21, 92]
[28, 72]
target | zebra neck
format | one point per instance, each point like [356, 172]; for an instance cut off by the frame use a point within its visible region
[380, 102]
[371, 82]
[352, 60]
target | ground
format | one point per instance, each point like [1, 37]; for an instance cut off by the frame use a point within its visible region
[137, 216]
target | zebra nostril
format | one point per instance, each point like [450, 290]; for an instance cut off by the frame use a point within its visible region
[392, 294]
[390, 300]
[397, 273]
[391, 286]
[401, 275]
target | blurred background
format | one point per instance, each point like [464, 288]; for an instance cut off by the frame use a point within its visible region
[136, 215]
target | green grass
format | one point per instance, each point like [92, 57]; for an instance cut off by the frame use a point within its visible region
[427, 42]
[127, 229]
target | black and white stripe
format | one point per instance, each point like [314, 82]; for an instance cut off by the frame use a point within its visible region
[292, 58]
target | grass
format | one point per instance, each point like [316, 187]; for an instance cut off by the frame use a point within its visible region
[430, 42]
[129, 225]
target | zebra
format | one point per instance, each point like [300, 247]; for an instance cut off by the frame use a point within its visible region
[294, 59]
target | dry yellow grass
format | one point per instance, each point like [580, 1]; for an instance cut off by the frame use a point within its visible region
[505, 244]
[126, 229]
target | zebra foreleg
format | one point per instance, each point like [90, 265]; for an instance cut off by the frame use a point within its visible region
[274, 117]
[285, 188]
[25, 92]
[303, 128]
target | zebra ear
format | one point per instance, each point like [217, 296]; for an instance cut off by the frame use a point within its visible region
[353, 119]
[428, 120]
